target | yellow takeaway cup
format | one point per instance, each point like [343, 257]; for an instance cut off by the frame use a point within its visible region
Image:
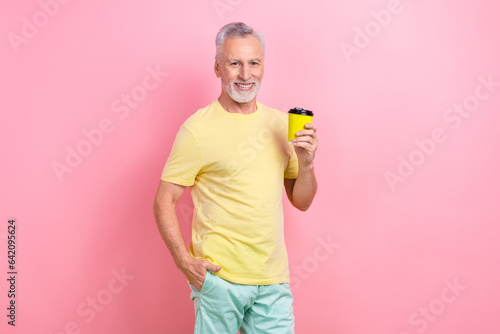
[297, 120]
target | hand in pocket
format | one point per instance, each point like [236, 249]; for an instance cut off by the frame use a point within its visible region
[195, 271]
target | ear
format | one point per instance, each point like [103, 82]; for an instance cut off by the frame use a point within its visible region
[216, 68]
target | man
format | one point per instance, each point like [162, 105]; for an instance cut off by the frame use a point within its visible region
[235, 157]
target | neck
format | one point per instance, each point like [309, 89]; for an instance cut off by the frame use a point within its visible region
[235, 107]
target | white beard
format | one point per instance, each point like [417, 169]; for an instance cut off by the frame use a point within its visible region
[242, 97]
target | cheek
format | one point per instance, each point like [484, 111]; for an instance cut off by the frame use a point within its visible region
[229, 76]
[227, 80]
[259, 74]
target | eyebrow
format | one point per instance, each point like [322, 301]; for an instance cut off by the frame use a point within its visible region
[239, 60]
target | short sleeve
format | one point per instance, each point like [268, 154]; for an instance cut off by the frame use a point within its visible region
[292, 170]
[185, 159]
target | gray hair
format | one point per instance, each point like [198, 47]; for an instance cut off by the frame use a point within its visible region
[236, 29]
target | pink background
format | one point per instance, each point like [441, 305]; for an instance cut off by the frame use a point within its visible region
[397, 249]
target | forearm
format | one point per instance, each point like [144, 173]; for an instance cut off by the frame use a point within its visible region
[193, 268]
[304, 188]
[168, 225]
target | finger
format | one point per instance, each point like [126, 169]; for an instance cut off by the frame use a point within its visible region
[306, 133]
[309, 146]
[198, 285]
[307, 139]
[211, 267]
[311, 126]
[305, 145]
[313, 140]
[215, 268]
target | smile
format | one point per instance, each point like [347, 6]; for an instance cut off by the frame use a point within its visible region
[244, 87]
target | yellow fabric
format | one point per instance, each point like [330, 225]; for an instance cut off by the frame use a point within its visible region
[235, 166]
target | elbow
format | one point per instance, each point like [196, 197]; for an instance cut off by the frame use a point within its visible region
[156, 203]
[302, 206]
[302, 203]
[156, 209]
[163, 205]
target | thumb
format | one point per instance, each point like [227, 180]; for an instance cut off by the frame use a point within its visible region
[212, 267]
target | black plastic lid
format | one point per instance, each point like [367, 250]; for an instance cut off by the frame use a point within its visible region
[300, 111]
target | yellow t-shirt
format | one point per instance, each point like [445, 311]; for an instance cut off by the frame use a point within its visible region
[235, 165]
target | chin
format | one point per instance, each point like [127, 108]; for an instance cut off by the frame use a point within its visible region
[243, 99]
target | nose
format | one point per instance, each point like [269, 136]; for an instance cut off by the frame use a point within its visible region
[245, 73]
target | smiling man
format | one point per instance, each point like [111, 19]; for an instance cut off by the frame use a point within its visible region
[235, 157]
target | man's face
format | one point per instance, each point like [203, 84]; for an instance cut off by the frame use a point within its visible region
[241, 68]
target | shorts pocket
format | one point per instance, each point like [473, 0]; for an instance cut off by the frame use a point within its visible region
[204, 285]
[206, 282]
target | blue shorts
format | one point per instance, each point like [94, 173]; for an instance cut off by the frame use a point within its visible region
[223, 307]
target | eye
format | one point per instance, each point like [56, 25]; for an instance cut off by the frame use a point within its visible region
[234, 63]
[255, 63]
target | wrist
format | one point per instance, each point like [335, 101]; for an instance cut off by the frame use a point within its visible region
[182, 261]
[306, 166]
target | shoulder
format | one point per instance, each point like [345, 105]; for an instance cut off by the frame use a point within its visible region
[197, 119]
[277, 118]
[272, 112]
